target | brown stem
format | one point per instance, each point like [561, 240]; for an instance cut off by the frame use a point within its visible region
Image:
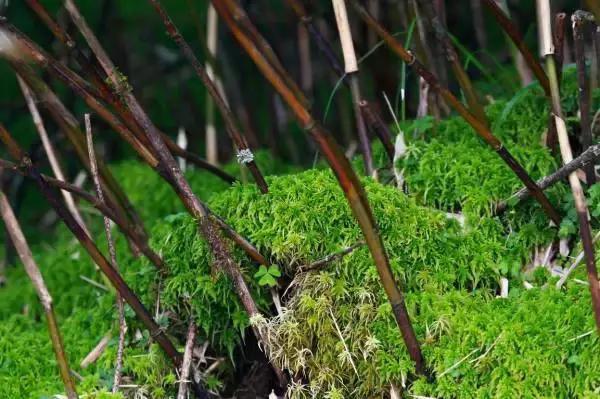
[579, 19]
[567, 156]
[365, 145]
[171, 172]
[513, 32]
[379, 127]
[330, 258]
[88, 244]
[559, 43]
[184, 374]
[111, 250]
[49, 148]
[452, 101]
[351, 69]
[231, 124]
[33, 272]
[347, 178]
[371, 117]
[591, 155]
[103, 91]
[70, 126]
[124, 224]
[459, 72]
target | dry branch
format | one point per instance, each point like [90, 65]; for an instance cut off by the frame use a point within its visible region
[112, 253]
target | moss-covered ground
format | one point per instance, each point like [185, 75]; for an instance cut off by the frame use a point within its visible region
[336, 333]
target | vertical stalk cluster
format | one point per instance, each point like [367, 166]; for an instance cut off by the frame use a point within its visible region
[351, 70]
[480, 128]
[585, 230]
[170, 171]
[111, 251]
[371, 117]
[245, 155]
[232, 13]
[512, 31]
[579, 19]
[88, 244]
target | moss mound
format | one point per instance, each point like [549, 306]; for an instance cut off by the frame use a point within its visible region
[337, 332]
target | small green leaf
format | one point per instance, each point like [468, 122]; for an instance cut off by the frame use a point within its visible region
[274, 271]
[262, 270]
[267, 280]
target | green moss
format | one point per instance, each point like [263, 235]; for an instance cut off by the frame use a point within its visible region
[337, 319]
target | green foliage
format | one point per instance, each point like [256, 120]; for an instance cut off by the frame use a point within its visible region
[267, 276]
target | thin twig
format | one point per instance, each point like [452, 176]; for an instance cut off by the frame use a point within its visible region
[112, 252]
[591, 155]
[95, 353]
[49, 148]
[565, 275]
[371, 117]
[245, 155]
[184, 375]
[105, 266]
[120, 220]
[331, 258]
[513, 32]
[33, 272]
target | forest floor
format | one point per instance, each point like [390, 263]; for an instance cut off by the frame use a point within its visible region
[335, 332]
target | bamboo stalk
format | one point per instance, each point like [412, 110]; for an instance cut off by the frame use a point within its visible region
[351, 70]
[50, 152]
[371, 117]
[212, 35]
[171, 172]
[122, 222]
[451, 100]
[513, 32]
[104, 92]
[579, 19]
[70, 126]
[187, 362]
[245, 155]
[595, 78]
[591, 155]
[347, 178]
[585, 231]
[112, 253]
[54, 104]
[33, 272]
[459, 72]
[560, 22]
[105, 266]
